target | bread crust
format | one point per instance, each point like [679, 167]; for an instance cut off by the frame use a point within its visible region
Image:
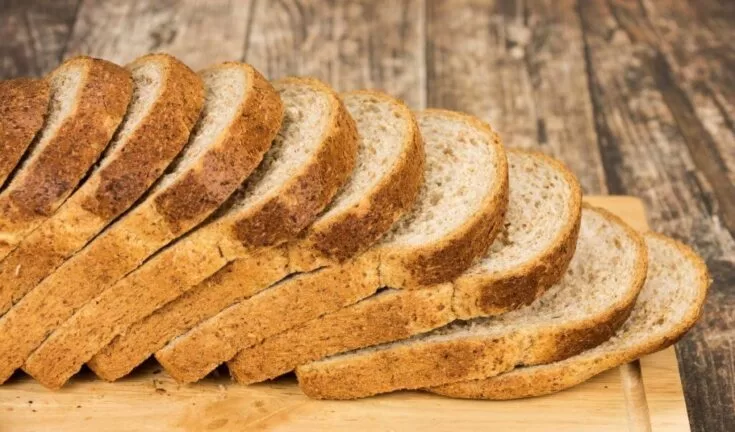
[148, 227]
[554, 377]
[492, 293]
[411, 267]
[417, 365]
[384, 318]
[336, 239]
[23, 107]
[43, 184]
[123, 177]
[193, 355]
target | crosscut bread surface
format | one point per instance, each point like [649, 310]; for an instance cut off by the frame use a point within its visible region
[389, 168]
[669, 304]
[585, 308]
[23, 107]
[227, 144]
[167, 98]
[326, 152]
[88, 100]
[536, 243]
[460, 206]
[553, 228]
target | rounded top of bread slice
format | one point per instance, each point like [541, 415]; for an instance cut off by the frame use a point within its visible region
[669, 304]
[384, 184]
[459, 208]
[23, 107]
[310, 159]
[536, 243]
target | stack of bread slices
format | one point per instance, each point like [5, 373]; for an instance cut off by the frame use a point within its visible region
[216, 217]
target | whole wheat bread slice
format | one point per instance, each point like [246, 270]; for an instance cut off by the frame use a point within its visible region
[312, 157]
[88, 100]
[23, 107]
[167, 99]
[453, 143]
[389, 170]
[241, 116]
[584, 309]
[532, 253]
[668, 306]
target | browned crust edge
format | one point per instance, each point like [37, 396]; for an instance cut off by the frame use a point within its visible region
[201, 190]
[409, 268]
[497, 292]
[554, 377]
[356, 229]
[295, 205]
[479, 357]
[23, 107]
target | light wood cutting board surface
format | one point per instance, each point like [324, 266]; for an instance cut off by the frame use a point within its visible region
[645, 395]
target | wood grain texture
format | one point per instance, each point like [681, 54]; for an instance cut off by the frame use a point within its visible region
[33, 35]
[198, 33]
[654, 147]
[350, 45]
[521, 67]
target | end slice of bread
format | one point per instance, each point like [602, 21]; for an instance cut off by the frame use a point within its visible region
[88, 101]
[167, 98]
[241, 115]
[310, 159]
[668, 306]
[533, 251]
[23, 107]
[584, 309]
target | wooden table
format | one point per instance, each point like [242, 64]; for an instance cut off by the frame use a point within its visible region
[637, 97]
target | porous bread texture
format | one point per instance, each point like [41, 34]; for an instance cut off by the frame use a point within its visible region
[329, 160]
[536, 244]
[387, 316]
[668, 306]
[389, 178]
[166, 101]
[460, 206]
[550, 254]
[587, 306]
[162, 216]
[23, 107]
[88, 100]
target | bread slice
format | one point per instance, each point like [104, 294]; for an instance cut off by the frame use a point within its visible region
[389, 170]
[88, 100]
[191, 356]
[532, 252]
[585, 308]
[669, 304]
[309, 161]
[167, 99]
[241, 116]
[23, 107]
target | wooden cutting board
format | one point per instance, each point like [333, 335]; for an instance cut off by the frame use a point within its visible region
[645, 395]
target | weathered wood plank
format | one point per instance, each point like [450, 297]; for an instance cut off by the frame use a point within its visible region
[33, 35]
[521, 67]
[646, 130]
[351, 45]
[199, 33]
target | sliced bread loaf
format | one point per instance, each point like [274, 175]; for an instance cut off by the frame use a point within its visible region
[669, 304]
[585, 308]
[384, 183]
[534, 249]
[88, 100]
[241, 115]
[23, 107]
[311, 158]
[167, 99]
[191, 356]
